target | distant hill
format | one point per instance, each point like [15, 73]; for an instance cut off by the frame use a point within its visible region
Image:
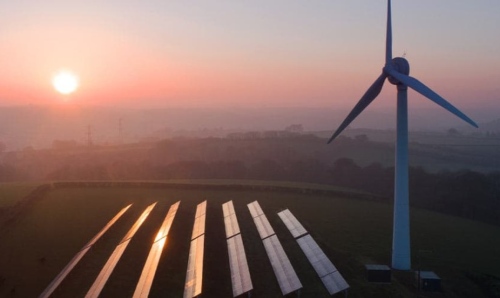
[39, 126]
[491, 127]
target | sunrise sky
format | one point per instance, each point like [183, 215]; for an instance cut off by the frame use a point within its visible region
[244, 53]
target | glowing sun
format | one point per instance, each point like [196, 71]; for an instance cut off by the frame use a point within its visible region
[65, 82]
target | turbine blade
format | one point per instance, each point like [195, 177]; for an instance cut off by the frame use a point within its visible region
[388, 41]
[427, 92]
[367, 98]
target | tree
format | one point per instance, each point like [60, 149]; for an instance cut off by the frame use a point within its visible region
[452, 132]
[296, 128]
[361, 138]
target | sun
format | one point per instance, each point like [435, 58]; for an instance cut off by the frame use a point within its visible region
[65, 82]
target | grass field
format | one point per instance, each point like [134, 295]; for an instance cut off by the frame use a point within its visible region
[10, 193]
[352, 232]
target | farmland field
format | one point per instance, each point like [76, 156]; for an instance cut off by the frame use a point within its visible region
[13, 192]
[49, 232]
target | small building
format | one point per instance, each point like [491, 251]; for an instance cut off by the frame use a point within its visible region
[378, 273]
[428, 281]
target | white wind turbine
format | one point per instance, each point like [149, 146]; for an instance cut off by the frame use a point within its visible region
[396, 70]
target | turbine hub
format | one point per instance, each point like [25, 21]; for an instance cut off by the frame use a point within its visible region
[401, 65]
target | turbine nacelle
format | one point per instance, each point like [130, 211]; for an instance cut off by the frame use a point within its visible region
[400, 65]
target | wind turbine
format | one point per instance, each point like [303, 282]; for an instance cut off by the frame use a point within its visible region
[396, 70]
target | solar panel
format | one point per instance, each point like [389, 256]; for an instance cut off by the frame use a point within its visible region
[255, 209]
[167, 222]
[292, 223]
[331, 278]
[194, 274]
[228, 208]
[334, 283]
[263, 226]
[199, 220]
[148, 272]
[201, 209]
[316, 256]
[62, 275]
[240, 275]
[231, 225]
[59, 278]
[106, 271]
[285, 274]
[199, 226]
[139, 222]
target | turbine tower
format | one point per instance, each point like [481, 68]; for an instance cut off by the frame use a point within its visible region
[396, 70]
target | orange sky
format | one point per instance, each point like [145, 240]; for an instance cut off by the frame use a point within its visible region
[236, 55]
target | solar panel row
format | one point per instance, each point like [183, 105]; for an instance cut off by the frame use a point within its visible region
[263, 226]
[66, 270]
[283, 270]
[331, 278]
[255, 209]
[148, 272]
[228, 208]
[315, 255]
[287, 278]
[240, 274]
[138, 223]
[194, 274]
[334, 283]
[106, 271]
[201, 209]
[192, 286]
[198, 227]
[292, 223]
[167, 222]
[231, 225]
[108, 268]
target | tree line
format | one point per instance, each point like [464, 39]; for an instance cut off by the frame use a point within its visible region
[463, 193]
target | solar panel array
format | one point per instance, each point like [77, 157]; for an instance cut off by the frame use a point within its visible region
[194, 275]
[148, 272]
[330, 276]
[108, 268]
[287, 278]
[240, 274]
[283, 270]
[60, 277]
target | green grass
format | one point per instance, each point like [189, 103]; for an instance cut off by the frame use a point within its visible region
[10, 193]
[261, 183]
[352, 232]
